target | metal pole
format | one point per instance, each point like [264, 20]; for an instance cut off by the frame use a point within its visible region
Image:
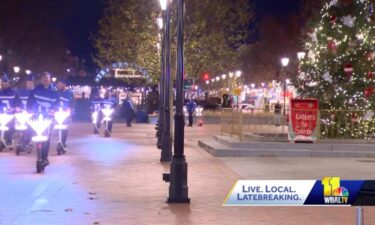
[284, 96]
[284, 90]
[360, 220]
[178, 189]
[166, 152]
[161, 86]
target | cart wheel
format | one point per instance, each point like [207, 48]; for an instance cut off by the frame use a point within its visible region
[18, 150]
[106, 134]
[2, 147]
[39, 166]
[60, 150]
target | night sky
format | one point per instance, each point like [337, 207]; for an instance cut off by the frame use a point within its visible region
[276, 7]
[82, 21]
[79, 24]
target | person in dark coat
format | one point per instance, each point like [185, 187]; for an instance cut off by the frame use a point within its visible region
[9, 102]
[191, 109]
[66, 103]
[24, 96]
[25, 92]
[128, 110]
[277, 113]
[44, 100]
[109, 102]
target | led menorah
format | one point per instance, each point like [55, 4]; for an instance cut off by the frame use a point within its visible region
[107, 112]
[60, 117]
[22, 119]
[198, 111]
[4, 120]
[95, 117]
[40, 125]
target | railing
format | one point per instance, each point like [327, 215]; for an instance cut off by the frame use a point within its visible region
[263, 123]
[329, 124]
[231, 122]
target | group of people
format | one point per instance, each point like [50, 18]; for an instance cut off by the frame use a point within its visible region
[98, 103]
[44, 98]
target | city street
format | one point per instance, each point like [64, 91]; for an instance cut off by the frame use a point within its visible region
[118, 181]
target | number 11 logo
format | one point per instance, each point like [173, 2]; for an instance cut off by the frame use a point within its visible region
[331, 185]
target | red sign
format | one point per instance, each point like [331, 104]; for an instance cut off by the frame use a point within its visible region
[303, 120]
[206, 76]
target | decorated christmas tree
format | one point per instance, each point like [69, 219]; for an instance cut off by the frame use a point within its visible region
[339, 68]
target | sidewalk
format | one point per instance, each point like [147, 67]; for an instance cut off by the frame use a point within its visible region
[119, 181]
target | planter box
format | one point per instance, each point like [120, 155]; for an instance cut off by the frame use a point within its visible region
[152, 118]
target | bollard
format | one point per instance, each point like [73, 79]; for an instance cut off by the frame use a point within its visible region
[360, 217]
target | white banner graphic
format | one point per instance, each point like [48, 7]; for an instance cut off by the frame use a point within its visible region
[269, 193]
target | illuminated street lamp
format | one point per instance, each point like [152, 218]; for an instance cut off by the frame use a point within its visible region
[160, 23]
[161, 47]
[1, 58]
[207, 82]
[166, 140]
[253, 85]
[28, 72]
[213, 80]
[301, 55]
[238, 73]
[231, 75]
[164, 4]
[178, 189]
[284, 63]
[217, 78]
[223, 76]
[16, 69]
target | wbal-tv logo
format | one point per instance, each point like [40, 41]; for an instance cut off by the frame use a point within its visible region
[333, 192]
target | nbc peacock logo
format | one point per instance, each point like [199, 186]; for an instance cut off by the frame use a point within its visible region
[333, 192]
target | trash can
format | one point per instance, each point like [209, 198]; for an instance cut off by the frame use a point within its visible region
[141, 116]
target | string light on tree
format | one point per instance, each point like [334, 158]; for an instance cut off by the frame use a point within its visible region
[339, 69]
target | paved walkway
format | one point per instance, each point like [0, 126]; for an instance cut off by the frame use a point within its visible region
[118, 181]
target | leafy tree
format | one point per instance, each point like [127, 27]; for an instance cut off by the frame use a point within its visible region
[214, 34]
[128, 32]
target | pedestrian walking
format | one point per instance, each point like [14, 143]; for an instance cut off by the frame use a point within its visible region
[191, 106]
[128, 110]
[277, 111]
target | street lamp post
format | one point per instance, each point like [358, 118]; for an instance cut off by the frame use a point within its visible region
[16, 69]
[178, 189]
[284, 63]
[238, 74]
[160, 22]
[166, 152]
[1, 58]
